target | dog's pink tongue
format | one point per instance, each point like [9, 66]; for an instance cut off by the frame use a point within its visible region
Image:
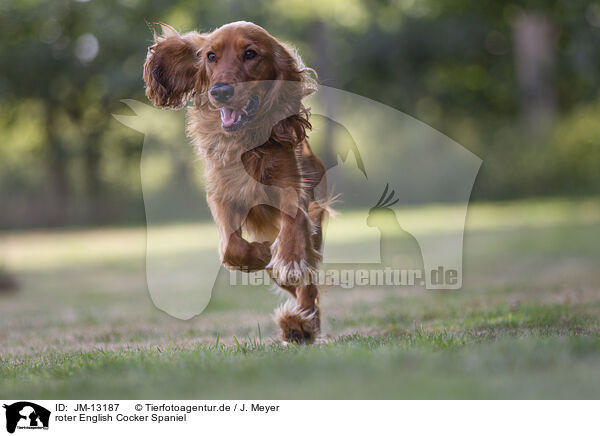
[229, 116]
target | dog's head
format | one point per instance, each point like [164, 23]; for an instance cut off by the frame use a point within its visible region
[239, 71]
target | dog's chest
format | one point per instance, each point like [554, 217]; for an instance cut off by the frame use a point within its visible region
[233, 184]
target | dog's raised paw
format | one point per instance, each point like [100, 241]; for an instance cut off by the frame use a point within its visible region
[298, 326]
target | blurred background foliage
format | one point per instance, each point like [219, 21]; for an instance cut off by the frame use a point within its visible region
[516, 83]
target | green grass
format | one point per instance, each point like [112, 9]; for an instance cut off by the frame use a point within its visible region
[525, 325]
[419, 365]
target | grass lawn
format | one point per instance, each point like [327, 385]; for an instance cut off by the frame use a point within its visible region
[525, 325]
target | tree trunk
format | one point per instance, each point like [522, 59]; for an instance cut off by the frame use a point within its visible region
[534, 59]
[324, 69]
[91, 157]
[57, 204]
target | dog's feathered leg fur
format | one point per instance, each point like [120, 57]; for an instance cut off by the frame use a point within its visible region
[298, 325]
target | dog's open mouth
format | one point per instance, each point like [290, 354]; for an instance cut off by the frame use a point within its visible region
[233, 119]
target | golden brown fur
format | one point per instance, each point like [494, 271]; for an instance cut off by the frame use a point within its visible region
[262, 179]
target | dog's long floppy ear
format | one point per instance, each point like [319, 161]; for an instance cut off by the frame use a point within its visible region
[290, 67]
[173, 70]
[293, 82]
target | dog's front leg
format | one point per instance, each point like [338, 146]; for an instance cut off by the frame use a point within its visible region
[299, 318]
[246, 256]
[294, 260]
[237, 253]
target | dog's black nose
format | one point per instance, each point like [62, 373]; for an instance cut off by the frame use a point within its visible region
[222, 92]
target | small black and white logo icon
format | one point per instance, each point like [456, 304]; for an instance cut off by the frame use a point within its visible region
[26, 415]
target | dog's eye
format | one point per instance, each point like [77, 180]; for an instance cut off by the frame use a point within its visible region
[249, 54]
[211, 57]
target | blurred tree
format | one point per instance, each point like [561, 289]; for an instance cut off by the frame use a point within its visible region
[470, 69]
[75, 60]
[535, 58]
[317, 19]
[325, 72]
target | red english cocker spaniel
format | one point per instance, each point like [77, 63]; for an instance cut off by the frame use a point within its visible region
[265, 188]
